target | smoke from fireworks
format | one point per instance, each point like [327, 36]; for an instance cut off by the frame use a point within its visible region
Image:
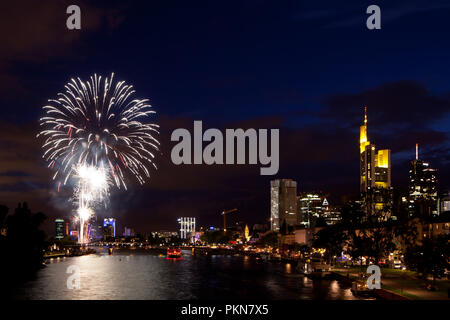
[97, 133]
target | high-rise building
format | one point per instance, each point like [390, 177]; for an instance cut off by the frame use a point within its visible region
[283, 203]
[331, 214]
[309, 207]
[109, 227]
[187, 227]
[312, 206]
[423, 194]
[375, 175]
[60, 228]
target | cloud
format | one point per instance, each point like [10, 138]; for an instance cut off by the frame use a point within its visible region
[402, 104]
[343, 17]
[35, 31]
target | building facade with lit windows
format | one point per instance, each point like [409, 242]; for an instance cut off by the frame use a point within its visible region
[423, 185]
[60, 228]
[332, 214]
[187, 227]
[313, 205]
[109, 227]
[310, 207]
[375, 176]
[444, 202]
[283, 203]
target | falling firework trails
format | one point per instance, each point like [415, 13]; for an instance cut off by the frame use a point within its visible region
[98, 127]
[92, 188]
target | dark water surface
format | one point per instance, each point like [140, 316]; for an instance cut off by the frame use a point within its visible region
[136, 274]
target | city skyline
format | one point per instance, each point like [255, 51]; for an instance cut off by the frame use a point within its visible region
[381, 159]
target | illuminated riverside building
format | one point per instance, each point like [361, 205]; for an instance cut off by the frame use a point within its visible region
[423, 195]
[109, 227]
[166, 235]
[60, 229]
[375, 176]
[187, 227]
[283, 203]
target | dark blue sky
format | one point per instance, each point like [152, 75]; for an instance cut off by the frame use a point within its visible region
[306, 67]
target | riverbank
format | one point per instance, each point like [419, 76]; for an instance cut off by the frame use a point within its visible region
[401, 285]
[75, 253]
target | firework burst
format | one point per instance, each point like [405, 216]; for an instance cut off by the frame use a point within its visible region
[99, 134]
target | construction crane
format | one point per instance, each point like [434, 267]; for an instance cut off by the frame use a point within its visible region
[224, 213]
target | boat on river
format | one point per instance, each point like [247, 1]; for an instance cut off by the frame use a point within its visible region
[173, 253]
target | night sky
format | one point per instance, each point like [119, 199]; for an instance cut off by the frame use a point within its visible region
[305, 67]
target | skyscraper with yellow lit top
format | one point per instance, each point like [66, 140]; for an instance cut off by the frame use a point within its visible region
[375, 174]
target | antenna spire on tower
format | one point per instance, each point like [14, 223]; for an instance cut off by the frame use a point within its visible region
[365, 114]
[417, 151]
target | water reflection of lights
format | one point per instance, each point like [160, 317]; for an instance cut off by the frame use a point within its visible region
[173, 259]
[334, 287]
[288, 268]
[127, 277]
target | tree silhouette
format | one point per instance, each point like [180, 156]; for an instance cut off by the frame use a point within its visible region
[24, 244]
[332, 239]
[431, 257]
[269, 239]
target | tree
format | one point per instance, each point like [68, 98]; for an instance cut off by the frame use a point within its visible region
[25, 242]
[380, 241]
[406, 232]
[216, 237]
[332, 239]
[269, 239]
[3, 213]
[154, 239]
[357, 244]
[431, 257]
[303, 248]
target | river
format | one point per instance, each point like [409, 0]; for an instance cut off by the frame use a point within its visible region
[137, 274]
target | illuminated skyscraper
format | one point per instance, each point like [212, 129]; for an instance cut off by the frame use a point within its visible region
[375, 175]
[283, 203]
[423, 195]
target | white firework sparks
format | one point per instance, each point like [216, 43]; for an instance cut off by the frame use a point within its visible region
[98, 133]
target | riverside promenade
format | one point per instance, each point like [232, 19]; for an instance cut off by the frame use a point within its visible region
[403, 283]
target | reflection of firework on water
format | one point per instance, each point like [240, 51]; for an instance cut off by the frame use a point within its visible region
[96, 132]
